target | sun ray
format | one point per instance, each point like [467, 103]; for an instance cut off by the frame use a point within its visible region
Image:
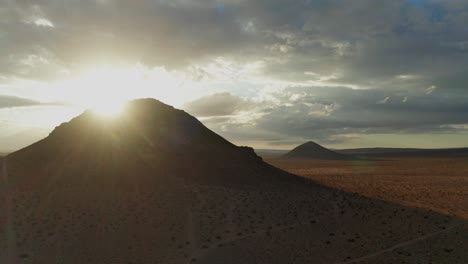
[109, 109]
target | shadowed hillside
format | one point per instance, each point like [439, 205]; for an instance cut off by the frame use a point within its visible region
[312, 150]
[156, 186]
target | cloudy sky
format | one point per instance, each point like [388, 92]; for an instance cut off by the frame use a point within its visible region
[264, 73]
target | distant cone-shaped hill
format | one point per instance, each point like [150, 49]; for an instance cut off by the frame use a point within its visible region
[156, 186]
[312, 150]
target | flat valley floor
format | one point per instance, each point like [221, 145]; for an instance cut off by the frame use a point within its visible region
[439, 184]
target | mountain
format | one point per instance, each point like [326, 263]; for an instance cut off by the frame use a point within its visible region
[312, 150]
[405, 152]
[150, 134]
[156, 186]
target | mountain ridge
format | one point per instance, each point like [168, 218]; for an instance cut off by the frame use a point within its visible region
[150, 133]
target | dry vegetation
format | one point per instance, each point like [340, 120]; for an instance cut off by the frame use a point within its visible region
[440, 184]
[144, 216]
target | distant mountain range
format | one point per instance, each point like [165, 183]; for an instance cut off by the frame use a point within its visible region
[311, 152]
[405, 152]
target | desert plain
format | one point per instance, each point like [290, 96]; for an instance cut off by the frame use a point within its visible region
[435, 183]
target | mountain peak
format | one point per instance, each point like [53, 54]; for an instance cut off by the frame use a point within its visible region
[311, 144]
[146, 127]
[312, 150]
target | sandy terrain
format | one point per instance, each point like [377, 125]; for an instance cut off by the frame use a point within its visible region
[170, 218]
[439, 184]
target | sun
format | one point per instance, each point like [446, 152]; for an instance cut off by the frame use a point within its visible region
[103, 89]
[109, 109]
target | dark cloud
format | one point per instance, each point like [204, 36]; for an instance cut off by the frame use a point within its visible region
[368, 42]
[365, 39]
[168, 33]
[343, 108]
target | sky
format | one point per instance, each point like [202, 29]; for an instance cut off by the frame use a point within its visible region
[269, 74]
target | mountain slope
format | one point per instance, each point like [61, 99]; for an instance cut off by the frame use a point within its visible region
[149, 132]
[156, 186]
[312, 150]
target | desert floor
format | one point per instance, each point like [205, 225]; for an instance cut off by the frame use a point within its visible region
[439, 184]
[164, 218]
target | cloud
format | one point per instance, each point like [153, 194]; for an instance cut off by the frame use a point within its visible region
[36, 16]
[384, 101]
[328, 69]
[219, 104]
[336, 115]
[43, 22]
[7, 101]
[167, 33]
[431, 89]
[391, 39]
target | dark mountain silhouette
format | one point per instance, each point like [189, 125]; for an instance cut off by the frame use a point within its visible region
[150, 132]
[312, 150]
[156, 186]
